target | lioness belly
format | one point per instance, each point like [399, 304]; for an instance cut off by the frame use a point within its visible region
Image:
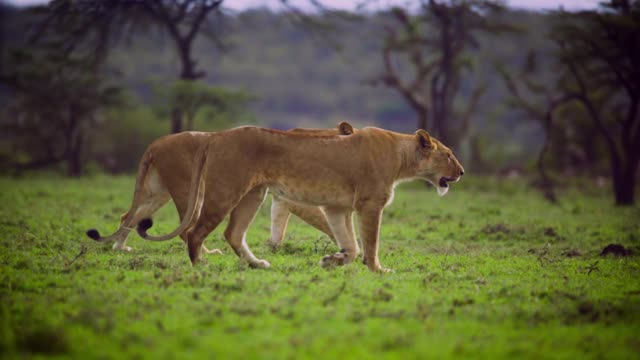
[314, 194]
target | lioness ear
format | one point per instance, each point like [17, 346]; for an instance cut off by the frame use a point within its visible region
[345, 128]
[424, 139]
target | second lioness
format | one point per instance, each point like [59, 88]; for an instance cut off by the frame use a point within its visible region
[339, 173]
[165, 173]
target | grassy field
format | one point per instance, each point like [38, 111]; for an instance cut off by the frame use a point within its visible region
[490, 270]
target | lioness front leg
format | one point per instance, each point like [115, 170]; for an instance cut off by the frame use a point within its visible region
[337, 218]
[369, 219]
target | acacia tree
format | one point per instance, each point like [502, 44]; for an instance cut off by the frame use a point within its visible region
[539, 101]
[193, 98]
[54, 108]
[599, 52]
[100, 24]
[183, 21]
[56, 93]
[434, 43]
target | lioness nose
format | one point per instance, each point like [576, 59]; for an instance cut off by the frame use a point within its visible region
[461, 172]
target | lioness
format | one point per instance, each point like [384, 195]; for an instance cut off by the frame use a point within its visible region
[165, 173]
[338, 173]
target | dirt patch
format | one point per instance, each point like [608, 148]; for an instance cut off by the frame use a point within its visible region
[498, 228]
[463, 302]
[616, 250]
[602, 311]
[382, 295]
[44, 341]
[571, 253]
[551, 232]
[501, 229]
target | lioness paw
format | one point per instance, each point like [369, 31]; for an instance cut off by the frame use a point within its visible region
[212, 251]
[337, 259]
[274, 246]
[117, 247]
[384, 270]
[260, 264]
[379, 269]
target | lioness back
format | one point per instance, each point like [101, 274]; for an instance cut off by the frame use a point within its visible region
[303, 168]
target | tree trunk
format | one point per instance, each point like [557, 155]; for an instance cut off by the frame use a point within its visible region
[74, 163]
[176, 120]
[74, 154]
[423, 118]
[546, 185]
[73, 143]
[446, 137]
[188, 73]
[624, 182]
[624, 188]
[189, 117]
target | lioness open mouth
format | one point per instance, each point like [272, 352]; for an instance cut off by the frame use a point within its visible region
[443, 185]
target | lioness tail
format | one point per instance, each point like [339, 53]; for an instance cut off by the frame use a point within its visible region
[196, 199]
[124, 228]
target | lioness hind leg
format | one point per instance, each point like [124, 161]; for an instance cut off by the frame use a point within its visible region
[151, 205]
[313, 216]
[348, 220]
[149, 195]
[211, 251]
[121, 239]
[185, 238]
[152, 197]
[240, 219]
[280, 215]
[181, 207]
[352, 232]
[198, 233]
[209, 218]
[338, 218]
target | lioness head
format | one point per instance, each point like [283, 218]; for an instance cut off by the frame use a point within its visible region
[344, 128]
[436, 163]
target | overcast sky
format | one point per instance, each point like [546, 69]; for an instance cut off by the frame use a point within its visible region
[350, 4]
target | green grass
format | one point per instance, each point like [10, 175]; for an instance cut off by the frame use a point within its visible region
[489, 271]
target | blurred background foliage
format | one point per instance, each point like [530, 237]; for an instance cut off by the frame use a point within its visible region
[88, 85]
